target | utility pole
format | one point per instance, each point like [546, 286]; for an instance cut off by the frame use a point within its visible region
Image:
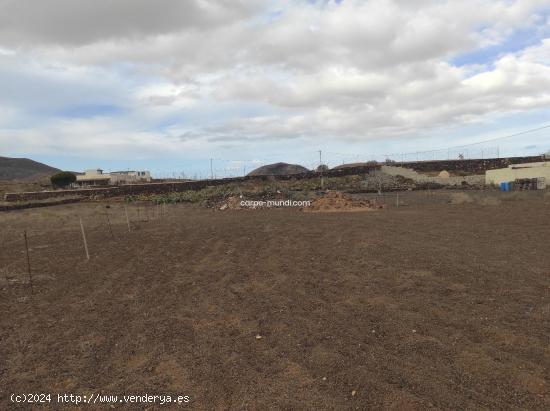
[211, 170]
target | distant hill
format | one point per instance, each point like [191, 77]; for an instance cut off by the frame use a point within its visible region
[278, 169]
[352, 165]
[24, 169]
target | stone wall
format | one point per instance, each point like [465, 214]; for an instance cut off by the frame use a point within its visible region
[478, 166]
[477, 180]
[22, 206]
[43, 195]
[166, 187]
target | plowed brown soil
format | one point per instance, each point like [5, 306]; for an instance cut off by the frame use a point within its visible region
[444, 306]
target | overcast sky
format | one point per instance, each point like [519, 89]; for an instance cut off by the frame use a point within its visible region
[168, 84]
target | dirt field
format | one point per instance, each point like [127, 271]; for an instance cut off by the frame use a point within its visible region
[430, 305]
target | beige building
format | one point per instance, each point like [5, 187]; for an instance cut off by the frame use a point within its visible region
[518, 171]
[130, 177]
[96, 177]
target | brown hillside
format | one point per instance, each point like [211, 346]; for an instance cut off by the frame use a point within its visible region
[23, 169]
[278, 169]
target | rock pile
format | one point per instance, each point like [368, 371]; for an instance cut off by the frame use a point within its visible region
[337, 201]
[231, 203]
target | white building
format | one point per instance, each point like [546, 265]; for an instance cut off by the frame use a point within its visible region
[96, 177]
[517, 172]
[130, 177]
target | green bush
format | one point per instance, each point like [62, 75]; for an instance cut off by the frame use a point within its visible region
[63, 179]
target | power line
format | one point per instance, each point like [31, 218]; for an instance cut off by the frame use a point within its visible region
[498, 138]
[355, 156]
[456, 147]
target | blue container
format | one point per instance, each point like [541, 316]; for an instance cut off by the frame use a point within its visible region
[506, 186]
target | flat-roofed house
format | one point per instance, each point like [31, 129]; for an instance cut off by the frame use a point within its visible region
[96, 177]
[130, 177]
[93, 178]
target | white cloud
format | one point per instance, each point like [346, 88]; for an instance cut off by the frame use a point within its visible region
[191, 74]
[77, 22]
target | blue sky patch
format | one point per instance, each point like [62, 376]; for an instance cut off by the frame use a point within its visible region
[518, 41]
[90, 111]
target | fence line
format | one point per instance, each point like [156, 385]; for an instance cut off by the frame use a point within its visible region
[397, 200]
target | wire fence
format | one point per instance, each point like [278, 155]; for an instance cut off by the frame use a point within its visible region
[79, 232]
[68, 235]
[221, 168]
[536, 143]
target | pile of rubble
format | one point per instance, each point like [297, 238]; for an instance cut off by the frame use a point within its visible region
[337, 201]
[230, 203]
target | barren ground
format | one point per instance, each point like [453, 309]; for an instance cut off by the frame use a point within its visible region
[432, 305]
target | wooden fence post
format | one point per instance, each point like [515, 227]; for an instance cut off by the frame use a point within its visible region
[28, 261]
[127, 218]
[109, 223]
[84, 238]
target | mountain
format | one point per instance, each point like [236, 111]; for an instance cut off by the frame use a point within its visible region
[24, 169]
[278, 169]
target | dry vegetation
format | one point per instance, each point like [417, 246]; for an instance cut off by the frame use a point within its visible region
[19, 187]
[294, 189]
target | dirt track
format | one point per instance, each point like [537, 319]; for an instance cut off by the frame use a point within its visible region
[443, 306]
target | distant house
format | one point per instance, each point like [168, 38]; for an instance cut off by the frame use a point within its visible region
[130, 177]
[96, 177]
[92, 178]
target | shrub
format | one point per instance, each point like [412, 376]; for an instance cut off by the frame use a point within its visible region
[63, 179]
